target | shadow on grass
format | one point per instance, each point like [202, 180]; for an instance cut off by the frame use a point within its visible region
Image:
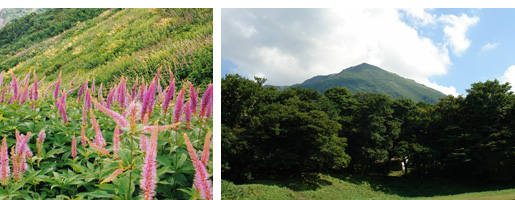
[401, 186]
[306, 182]
[416, 187]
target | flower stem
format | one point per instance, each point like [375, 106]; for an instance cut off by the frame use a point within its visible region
[130, 173]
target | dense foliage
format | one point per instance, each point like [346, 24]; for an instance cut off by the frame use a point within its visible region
[105, 44]
[269, 133]
[277, 133]
[124, 145]
[372, 79]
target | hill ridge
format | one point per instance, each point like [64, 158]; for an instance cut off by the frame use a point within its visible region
[369, 78]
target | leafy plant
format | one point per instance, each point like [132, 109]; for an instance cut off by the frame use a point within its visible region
[102, 152]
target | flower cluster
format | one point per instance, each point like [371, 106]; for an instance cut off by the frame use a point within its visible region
[201, 181]
[137, 104]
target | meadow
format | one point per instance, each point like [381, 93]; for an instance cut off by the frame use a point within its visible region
[334, 186]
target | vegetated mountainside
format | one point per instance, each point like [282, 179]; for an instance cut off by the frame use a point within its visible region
[105, 44]
[9, 14]
[369, 78]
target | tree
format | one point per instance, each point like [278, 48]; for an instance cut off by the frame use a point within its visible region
[489, 137]
[374, 131]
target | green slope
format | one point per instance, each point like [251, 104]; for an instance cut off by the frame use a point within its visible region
[107, 43]
[369, 78]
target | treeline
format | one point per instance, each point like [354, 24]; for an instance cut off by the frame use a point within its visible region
[270, 133]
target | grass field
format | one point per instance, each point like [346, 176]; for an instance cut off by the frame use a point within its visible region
[319, 186]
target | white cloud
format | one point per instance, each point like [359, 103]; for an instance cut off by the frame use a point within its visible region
[489, 46]
[456, 30]
[446, 90]
[420, 16]
[509, 76]
[288, 46]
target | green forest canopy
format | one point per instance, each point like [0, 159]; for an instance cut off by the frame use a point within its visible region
[268, 133]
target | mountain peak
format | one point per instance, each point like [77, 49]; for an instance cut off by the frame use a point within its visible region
[369, 78]
[364, 66]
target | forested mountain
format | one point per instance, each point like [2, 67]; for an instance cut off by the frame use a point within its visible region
[105, 44]
[9, 14]
[369, 78]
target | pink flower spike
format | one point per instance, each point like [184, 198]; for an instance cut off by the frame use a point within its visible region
[112, 176]
[100, 96]
[72, 90]
[26, 79]
[148, 173]
[207, 145]
[22, 151]
[169, 94]
[121, 92]
[84, 116]
[142, 90]
[143, 143]
[132, 113]
[5, 172]
[99, 139]
[62, 107]
[48, 88]
[116, 116]
[73, 80]
[81, 90]
[100, 149]
[201, 181]
[35, 94]
[149, 129]
[57, 86]
[41, 136]
[74, 147]
[83, 136]
[2, 79]
[207, 99]
[179, 103]
[193, 98]
[148, 100]
[187, 114]
[14, 85]
[110, 98]
[209, 110]
[87, 99]
[159, 87]
[41, 81]
[24, 94]
[134, 87]
[93, 86]
[2, 98]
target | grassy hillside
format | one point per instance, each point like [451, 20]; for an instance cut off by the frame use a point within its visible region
[358, 187]
[114, 42]
[369, 78]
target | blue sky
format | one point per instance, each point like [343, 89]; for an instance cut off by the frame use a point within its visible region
[446, 49]
[495, 26]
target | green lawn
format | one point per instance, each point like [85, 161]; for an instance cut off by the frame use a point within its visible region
[489, 195]
[360, 187]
